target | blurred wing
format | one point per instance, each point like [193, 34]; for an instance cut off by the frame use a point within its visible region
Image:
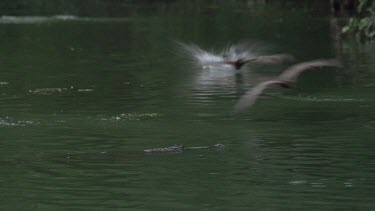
[249, 98]
[271, 59]
[291, 74]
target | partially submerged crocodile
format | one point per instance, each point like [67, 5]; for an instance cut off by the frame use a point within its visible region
[180, 148]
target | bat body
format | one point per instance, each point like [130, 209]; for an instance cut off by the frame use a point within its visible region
[285, 79]
[269, 59]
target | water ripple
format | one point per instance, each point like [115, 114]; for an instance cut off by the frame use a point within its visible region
[10, 122]
[321, 99]
[56, 18]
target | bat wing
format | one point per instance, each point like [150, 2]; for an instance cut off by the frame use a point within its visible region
[292, 73]
[249, 98]
[269, 59]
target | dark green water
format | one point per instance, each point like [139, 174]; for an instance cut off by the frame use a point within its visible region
[80, 98]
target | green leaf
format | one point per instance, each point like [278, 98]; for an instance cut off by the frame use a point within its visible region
[364, 23]
[345, 29]
[362, 4]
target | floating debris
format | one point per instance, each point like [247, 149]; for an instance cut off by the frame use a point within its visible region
[9, 122]
[174, 148]
[51, 91]
[48, 91]
[297, 182]
[130, 117]
[180, 148]
[139, 116]
[136, 116]
[85, 90]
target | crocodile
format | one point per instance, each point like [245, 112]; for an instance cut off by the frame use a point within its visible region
[179, 148]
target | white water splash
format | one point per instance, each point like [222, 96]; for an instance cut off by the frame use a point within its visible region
[208, 59]
[213, 77]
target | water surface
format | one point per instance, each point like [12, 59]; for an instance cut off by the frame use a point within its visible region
[81, 97]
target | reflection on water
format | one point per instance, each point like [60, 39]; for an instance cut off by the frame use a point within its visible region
[80, 102]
